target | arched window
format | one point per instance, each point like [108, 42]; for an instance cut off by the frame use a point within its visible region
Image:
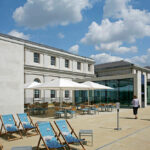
[37, 93]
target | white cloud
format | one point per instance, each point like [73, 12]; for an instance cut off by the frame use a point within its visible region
[143, 60]
[113, 8]
[116, 47]
[19, 34]
[39, 13]
[148, 50]
[128, 25]
[60, 35]
[104, 58]
[74, 49]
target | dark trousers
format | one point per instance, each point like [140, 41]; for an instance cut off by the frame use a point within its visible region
[135, 110]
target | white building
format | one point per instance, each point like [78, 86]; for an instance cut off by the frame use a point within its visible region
[22, 61]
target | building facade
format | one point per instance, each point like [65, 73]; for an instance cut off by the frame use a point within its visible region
[44, 64]
[126, 78]
[23, 61]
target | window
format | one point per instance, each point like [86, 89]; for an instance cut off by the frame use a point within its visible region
[53, 61]
[66, 63]
[66, 94]
[36, 57]
[79, 65]
[37, 92]
[89, 67]
[53, 93]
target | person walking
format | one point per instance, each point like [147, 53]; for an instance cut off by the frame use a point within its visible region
[135, 103]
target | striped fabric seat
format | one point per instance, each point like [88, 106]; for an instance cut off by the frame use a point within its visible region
[48, 135]
[27, 124]
[9, 124]
[68, 134]
[25, 121]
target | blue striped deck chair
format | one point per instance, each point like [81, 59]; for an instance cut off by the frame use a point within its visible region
[49, 136]
[27, 124]
[10, 126]
[68, 134]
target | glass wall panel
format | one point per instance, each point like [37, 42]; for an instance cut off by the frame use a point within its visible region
[112, 95]
[122, 92]
[81, 97]
[125, 92]
[148, 93]
[103, 93]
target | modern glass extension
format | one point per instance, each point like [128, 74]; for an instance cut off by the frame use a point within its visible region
[122, 92]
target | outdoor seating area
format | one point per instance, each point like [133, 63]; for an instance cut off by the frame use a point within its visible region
[93, 131]
[36, 108]
[67, 110]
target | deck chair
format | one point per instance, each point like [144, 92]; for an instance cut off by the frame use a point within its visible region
[69, 136]
[26, 122]
[1, 147]
[48, 136]
[10, 126]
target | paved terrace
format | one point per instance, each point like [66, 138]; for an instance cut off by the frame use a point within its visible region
[135, 134]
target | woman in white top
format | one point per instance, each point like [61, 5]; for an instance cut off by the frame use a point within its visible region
[135, 103]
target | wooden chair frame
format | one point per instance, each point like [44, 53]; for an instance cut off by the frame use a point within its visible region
[41, 138]
[27, 129]
[1, 147]
[7, 132]
[72, 132]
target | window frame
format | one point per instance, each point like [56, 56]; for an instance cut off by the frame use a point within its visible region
[53, 93]
[36, 91]
[67, 94]
[89, 67]
[78, 68]
[36, 58]
[67, 63]
[53, 61]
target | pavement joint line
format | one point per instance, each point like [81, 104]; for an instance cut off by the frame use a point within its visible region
[124, 137]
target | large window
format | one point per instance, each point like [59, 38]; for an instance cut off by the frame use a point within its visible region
[36, 57]
[122, 92]
[37, 93]
[53, 94]
[66, 94]
[79, 65]
[53, 61]
[66, 63]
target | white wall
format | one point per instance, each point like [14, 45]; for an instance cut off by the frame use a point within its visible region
[45, 59]
[145, 89]
[137, 86]
[11, 78]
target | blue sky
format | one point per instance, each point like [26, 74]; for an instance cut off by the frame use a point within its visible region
[105, 30]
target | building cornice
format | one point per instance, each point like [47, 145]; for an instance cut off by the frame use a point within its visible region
[42, 47]
[43, 69]
[126, 76]
[57, 54]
